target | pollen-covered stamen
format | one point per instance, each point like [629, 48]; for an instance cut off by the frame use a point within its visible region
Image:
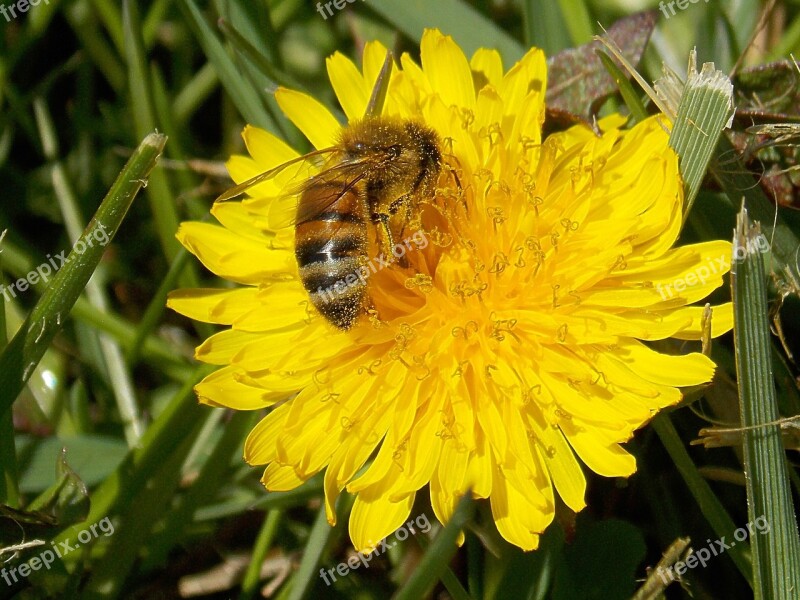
[501, 327]
[420, 281]
[499, 263]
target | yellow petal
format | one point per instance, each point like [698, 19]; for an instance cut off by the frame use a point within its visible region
[348, 85]
[447, 69]
[220, 348]
[489, 64]
[259, 447]
[375, 517]
[310, 116]
[678, 371]
[281, 305]
[281, 478]
[213, 305]
[609, 460]
[230, 256]
[236, 217]
[223, 389]
[530, 73]
[568, 477]
[721, 321]
[518, 520]
[268, 150]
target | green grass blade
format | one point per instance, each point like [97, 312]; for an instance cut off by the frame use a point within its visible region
[162, 201]
[272, 76]
[705, 109]
[580, 24]
[306, 575]
[21, 356]
[470, 29]
[545, 26]
[194, 93]
[266, 536]
[110, 16]
[133, 528]
[246, 99]
[119, 377]
[629, 95]
[712, 509]
[153, 20]
[156, 306]
[453, 585]
[167, 432]
[9, 490]
[738, 183]
[789, 41]
[437, 557]
[207, 484]
[249, 23]
[776, 556]
[155, 350]
[95, 45]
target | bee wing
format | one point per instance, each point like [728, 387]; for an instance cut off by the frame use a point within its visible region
[331, 184]
[241, 188]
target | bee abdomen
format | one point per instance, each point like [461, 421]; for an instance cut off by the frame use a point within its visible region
[336, 289]
[330, 248]
[317, 246]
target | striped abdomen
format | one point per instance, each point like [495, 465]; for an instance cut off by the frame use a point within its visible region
[330, 246]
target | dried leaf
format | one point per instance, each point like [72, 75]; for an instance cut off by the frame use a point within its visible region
[578, 83]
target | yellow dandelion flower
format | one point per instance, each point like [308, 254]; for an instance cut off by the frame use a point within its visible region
[507, 349]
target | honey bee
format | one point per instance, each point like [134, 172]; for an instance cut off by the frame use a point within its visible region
[379, 166]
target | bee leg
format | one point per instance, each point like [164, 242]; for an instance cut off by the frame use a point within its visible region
[398, 204]
[385, 236]
[387, 240]
[394, 207]
[453, 171]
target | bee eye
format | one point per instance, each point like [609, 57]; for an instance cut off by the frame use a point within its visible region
[394, 150]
